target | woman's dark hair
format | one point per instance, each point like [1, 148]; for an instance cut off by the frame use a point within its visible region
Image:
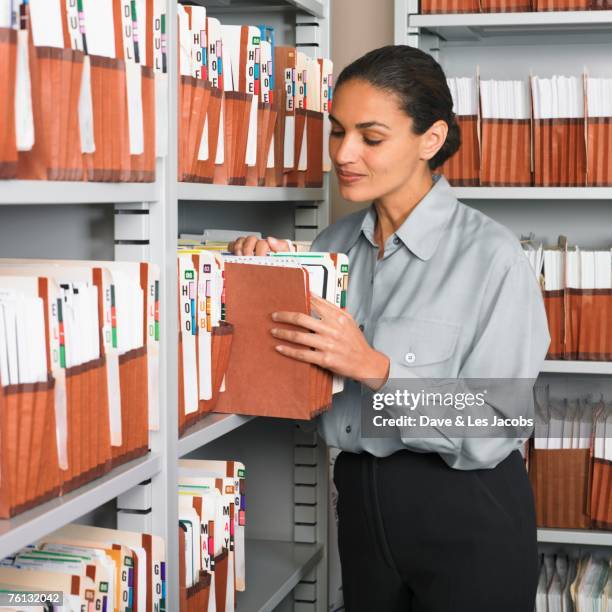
[420, 85]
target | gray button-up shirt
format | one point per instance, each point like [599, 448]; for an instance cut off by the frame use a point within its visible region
[453, 296]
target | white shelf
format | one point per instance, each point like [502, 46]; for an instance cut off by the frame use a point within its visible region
[273, 569]
[478, 26]
[554, 366]
[208, 429]
[29, 526]
[533, 193]
[237, 193]
[575, 536]
[76, 192]
[312, 7]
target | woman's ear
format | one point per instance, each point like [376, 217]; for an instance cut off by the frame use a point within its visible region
[433, 139]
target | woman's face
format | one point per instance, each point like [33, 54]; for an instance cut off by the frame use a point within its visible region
[372, 146]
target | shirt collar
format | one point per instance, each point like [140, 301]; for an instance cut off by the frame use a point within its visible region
[422, 230]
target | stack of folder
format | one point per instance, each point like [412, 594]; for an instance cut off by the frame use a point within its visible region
[250, 112]
[578, 300]
[599, 131]
[92, 569]
[462, 169]
[558, 131]
[81, 82]
[568, 583]
[212, 524]
[510, 6]
[78, 371]
[227, 359]
[545, 132]
[570, 462]
[506, 134]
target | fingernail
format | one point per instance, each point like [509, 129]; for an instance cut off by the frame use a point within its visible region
[274, 317]
[279, 348]
[273, 331]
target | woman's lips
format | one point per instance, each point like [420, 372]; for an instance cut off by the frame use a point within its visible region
[348, 177]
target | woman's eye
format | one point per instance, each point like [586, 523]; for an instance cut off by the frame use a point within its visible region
[336, 133]
[370, 142]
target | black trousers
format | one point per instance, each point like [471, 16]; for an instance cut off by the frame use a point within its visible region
[418, 536]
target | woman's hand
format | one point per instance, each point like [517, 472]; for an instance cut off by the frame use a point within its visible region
[338, 343]
[251, 245]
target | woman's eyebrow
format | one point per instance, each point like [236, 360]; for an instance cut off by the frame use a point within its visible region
[364, 124]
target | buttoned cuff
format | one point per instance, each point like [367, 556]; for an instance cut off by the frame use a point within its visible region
[396, 372]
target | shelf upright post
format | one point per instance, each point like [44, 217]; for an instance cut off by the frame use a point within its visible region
[163, 243]
[312, 38]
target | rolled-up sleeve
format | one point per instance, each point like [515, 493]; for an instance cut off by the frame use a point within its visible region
[510, 344]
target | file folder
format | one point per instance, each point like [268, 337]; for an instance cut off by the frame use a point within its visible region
[284, 131]
[559, 132]
[506, 134]
[55, 74]
[449, 6]
[8, 77]
[256, 371]
[463, 168]
[599, 131]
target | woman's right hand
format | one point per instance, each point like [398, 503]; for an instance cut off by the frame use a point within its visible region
[251, 245]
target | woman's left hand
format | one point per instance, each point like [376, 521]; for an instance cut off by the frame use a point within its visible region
[338, 343]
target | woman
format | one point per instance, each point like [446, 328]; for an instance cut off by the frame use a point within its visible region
[436, 289]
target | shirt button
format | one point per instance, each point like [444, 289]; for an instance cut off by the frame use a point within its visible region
[396, 240]
[410, 357]
[348, 429]
[361, 327]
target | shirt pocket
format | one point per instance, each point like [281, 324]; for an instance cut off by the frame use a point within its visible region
[424, 347]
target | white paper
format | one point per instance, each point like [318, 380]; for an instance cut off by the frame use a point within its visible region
[24, 118]
[99, 27]
[46, 23]
[133, 78]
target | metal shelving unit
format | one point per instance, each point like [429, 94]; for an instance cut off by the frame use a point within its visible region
[76, 192]
[273, 570]
[41, 520]
[233, 193]
[513, 46]
[534, 193]
[584, 537]
[145, 226]
[483, 26]
[208, 429]
[577, 367]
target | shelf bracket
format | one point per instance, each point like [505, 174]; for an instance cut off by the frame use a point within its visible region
[132, 232]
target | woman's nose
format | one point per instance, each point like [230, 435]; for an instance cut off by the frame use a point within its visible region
[345, 151]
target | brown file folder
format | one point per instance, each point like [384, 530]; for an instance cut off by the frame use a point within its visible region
[506, 6]
[259, 380]
[220, 354]
[554, 304]
[561, 481]
[506, 153]
[313, 176]
[292, 178]
[193, 598]
[26, 450]
[588, 329]
[463, 168]
[450, 6]
[559, 153]
[143, 165]
[284, 60]
[205, 169]
[599, 151]
[8, 73]
[561, 5]
[55, 74]
[601, 494]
